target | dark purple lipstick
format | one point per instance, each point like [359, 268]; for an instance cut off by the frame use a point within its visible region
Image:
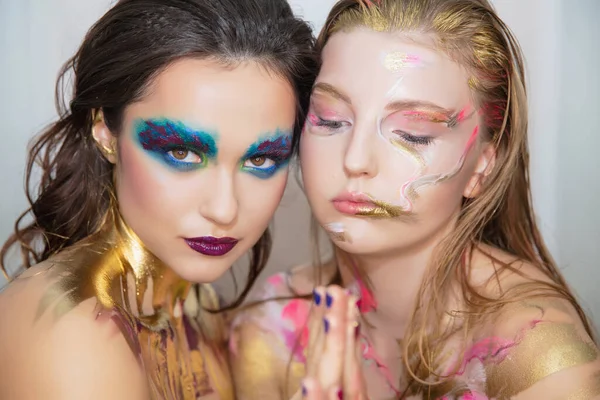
[212, 246]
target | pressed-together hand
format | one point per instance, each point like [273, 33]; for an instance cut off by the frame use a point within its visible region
[333, 360]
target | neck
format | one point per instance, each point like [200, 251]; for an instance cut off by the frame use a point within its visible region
[153, 288]
[114, 267]
[392, 280]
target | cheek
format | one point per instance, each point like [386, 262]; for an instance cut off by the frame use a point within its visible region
[321, 160]
[259, 199]
[144, 187]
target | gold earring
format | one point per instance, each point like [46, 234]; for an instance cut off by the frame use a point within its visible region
[97, 116]
[108, 151]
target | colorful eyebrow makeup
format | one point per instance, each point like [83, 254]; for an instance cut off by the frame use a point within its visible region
[175, 144]
[267, 156]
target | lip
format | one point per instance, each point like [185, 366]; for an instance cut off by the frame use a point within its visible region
[353, 203]
[211, 246]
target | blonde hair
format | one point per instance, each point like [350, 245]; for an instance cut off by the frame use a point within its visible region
[470, 33]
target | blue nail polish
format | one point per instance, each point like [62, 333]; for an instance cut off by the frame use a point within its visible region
[328, 300]
[326, 324]
[317, 297]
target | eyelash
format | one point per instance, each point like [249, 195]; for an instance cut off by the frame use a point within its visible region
[269, 171]
[329, 124]
[415, 140]
[183, 165]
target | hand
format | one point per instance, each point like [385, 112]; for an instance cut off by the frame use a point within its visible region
[333, 359]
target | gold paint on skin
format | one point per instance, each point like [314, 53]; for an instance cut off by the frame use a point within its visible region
[546, 349]
[336, 231]
[384, 210]
[397, 61]
[114, 267]
[409, 150]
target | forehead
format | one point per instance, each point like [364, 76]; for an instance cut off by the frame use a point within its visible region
[239, 103]
[365, 64]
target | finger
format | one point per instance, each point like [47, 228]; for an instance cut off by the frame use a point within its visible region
[316, 332]
[334, 324]
[351, 362]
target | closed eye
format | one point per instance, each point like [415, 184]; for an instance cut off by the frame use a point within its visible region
[413, 139]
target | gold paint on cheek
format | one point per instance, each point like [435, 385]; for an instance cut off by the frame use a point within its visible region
[410, 151]
[384, 210]
[588, 392]
[546, 349]
[336, 231]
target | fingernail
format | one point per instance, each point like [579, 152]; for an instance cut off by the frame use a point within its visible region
[304, 391]
[328, 300]
[326, 324]
[317, 297]
[356, 331]
[340, 394]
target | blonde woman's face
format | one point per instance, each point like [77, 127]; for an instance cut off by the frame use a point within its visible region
[392, 143]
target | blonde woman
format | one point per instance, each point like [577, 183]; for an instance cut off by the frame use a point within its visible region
[414, 159]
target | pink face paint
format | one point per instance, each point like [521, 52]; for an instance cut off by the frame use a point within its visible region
[312, 118]
[296, 339]
[397, 61]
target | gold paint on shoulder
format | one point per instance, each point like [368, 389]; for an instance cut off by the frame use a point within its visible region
[544, 350]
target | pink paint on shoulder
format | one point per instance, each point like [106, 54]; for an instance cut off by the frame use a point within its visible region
[296, 311]
[276, 280]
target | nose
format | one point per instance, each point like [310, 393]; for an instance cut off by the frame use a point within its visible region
[220, 204]
[360, 159]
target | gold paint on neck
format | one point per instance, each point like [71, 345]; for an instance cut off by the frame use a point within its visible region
[108, 265]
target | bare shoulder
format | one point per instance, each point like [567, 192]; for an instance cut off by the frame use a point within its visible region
[74, 355]
[538, 348]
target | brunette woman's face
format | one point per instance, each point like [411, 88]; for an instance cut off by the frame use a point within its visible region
[392, 143]
[202, 163]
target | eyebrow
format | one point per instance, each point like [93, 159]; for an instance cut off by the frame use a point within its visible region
[332, 91]
[423, 110]
[417, 109]
[278, 143]
[156, 133]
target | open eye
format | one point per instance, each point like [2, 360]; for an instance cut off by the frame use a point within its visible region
[259, 162]
[185, 156]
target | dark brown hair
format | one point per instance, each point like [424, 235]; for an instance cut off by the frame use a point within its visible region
[118, 59]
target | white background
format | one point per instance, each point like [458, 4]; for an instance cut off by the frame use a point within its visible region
[560, 41]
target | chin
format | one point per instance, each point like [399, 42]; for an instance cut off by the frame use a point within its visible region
[360, 247]
[203, 271]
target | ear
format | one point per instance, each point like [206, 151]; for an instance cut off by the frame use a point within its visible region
[484, 167]
[106, 141]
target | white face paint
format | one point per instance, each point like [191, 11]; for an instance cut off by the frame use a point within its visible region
[393, 120]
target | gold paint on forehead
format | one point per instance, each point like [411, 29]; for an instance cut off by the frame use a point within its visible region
[396, 61]
[546, 349]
